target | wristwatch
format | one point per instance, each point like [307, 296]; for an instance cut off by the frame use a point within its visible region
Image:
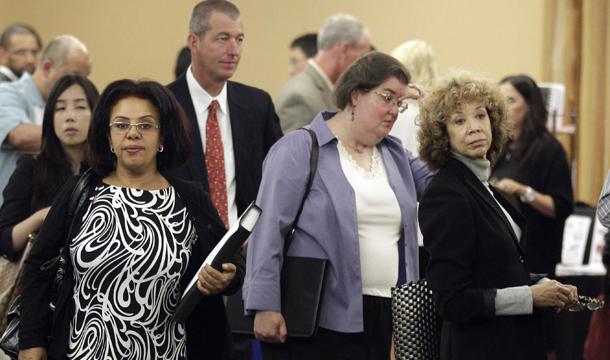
[529, 195]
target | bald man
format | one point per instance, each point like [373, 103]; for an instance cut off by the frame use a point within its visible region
[22, 102]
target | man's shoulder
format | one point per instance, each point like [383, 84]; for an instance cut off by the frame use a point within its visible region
[234, 88]
[302, 82]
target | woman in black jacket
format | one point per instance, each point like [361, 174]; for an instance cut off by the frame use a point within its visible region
[478, 270]
[134, 246]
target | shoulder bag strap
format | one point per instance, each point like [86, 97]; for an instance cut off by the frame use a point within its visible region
[313, 165]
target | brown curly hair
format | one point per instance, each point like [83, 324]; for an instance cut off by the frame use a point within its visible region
[447, 95]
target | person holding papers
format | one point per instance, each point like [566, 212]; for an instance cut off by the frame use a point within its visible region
[360, 215]
[135, 244]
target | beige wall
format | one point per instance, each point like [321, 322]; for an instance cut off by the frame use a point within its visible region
[141, 38]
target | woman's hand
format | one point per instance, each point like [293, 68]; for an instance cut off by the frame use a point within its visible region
[420, 92]
[542, 203]
[38, 353]
[554, 293]
[28, 226]
[270, 327]
[212, 281]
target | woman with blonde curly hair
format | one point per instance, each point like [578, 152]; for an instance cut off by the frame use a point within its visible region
[482, 287]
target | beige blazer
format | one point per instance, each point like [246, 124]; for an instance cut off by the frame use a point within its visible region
[302, 98]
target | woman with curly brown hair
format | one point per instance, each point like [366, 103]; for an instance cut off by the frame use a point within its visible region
[478, 272]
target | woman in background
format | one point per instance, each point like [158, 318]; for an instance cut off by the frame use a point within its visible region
[534, 172]
[478, 271]
[417, 56]
[36, 180]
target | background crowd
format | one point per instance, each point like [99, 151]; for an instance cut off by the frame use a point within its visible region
[199, 150]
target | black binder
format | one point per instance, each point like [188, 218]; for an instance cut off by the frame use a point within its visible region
[227, 247]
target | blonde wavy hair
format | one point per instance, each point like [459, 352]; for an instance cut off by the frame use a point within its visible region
[443, 98]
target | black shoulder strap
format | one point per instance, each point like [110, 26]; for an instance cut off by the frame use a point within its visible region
[313, 165]
[77, 199]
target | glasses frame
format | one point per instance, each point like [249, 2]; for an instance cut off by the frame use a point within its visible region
[118, 131]
[588, 303]
[401, 105]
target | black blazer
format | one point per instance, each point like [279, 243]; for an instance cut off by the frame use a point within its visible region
[474, 251]
[208, 331]
[255, 127]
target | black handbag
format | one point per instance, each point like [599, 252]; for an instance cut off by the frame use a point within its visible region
[9, 342]
[301, 281]
[417, 325]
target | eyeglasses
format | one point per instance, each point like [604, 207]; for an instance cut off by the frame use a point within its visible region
[390, 100]
[121, 127]
[589, 303]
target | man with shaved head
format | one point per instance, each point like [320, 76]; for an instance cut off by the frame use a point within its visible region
[22, 102]
[19, 49]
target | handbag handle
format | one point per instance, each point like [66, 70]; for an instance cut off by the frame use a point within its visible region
[313, 165]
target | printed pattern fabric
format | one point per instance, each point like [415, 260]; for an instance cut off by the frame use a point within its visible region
[128, 258]
[215, 164]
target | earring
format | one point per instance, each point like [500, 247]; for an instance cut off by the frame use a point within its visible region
[353, 113]
[112, 149]
[160, 149]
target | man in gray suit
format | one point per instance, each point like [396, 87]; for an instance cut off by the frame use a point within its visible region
[341, 40]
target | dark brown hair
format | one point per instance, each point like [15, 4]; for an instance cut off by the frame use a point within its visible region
[52, 167]
[366, 73]
[174, 132]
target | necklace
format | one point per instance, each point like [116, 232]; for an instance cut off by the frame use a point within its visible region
[358, 151]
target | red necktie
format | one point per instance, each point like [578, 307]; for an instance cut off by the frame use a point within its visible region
[215, 163]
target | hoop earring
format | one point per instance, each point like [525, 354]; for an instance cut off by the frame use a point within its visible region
[160, 149]
[112, 149]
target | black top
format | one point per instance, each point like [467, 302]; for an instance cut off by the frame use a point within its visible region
[20, 202]
[547, 172]
[207, 329]
[474, 251]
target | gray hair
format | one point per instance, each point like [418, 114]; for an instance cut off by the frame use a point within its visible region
[339, 28]
[59, 48]
[200, 16]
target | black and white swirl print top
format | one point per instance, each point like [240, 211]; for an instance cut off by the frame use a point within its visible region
[128, 257]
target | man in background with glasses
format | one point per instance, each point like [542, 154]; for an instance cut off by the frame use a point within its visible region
[19, 49]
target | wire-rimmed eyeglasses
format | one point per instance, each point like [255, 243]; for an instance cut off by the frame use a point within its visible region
[589, 303]
[123, 127]
[390, 100]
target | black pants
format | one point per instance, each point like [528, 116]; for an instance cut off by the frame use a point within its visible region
[371, 344]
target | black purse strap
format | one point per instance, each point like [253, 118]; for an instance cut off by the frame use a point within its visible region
[313, 165]
[77, 199]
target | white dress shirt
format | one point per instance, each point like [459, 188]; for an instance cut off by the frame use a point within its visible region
[201, 102]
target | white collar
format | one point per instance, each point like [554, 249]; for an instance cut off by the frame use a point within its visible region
[321, 72]
[8, 72]
[201, 98]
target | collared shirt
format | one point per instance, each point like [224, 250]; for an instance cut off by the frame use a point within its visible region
[20, 103]
[603, 206]
[328, 227]
[8, 72]
[201, 102]
[322, 73]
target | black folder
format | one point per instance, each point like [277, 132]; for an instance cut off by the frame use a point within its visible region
[227, 247]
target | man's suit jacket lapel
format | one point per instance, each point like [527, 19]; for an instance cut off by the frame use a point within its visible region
[196, 167]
